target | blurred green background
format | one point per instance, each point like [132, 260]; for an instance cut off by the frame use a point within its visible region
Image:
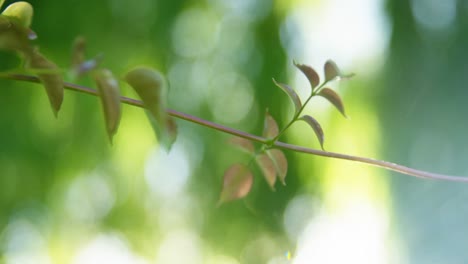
[68, 196]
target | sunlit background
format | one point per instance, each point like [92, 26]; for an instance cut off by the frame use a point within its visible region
[68, 196]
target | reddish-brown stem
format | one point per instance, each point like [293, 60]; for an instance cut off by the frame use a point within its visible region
[378, 163]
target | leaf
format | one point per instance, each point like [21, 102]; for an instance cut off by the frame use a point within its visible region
[334, 99]
[14, 36]
[243, 144]
[280, 162]
[152, 89]
[268, 168]
[22, 11]
[237, 183]
[270, 127]
[109, 92]
[50, 76]
[291, 93]
[310, 73]
[1, 3]
[78, 52]
[331, 70]
[315, 126]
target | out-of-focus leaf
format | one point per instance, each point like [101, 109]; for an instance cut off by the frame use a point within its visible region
[152, 89]
[310, 73]
[237, 183]
[243, 144]
[14, 36]
[315, 126]
[22, 11]
[331, 70]
[333, 98]
[78, 52]
[1, 3]
[280, 163]
[268, 169]
[109, 92]
[270, 127]
[50, 76]
[291, 93]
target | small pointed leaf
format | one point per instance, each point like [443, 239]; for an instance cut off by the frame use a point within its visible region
[243, 144]
[331, 70]
[334, 99]
[310, 73]
[315, 126]
[237, 183]
[109, 92]
[78, 52]
[151, 86]
[268, 169]
[22, 11]
[280, 162]
[291, 93]
[270, 127]
[50, 76]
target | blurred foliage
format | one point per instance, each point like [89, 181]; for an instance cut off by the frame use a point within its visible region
[68, 196]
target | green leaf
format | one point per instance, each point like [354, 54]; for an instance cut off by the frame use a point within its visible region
[315, 126]
[22, 11]
[152, 89]
[109, 92]
[331, 70]
[14, 36]
[280, 163]
[334, 99]
[291, 93]
[237, 183]
[268, 169]
[50, 76]
[310, 73]
[1, 3]
[270, 127]
[243, 144]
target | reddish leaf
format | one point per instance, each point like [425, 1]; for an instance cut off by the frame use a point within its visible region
[50, 76]
[237, 183]
[291, 93]
[268, 169]
[333, 98]
[243, 144]
[270, 127]
[109, 92]
[280, 163]
[310, 73]
[331, 70]
[315, 126]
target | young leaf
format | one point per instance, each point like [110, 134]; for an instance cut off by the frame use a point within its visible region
[78, 52]
[109, 92]
[152, 89]
[14, 36]
[237, 183]
[280, 162]
[310, 73]
[22, 11]
[270, 127]
[315, 126]
[50, 76]
[1, 3]
[265, 163]
[291, 93]
[243, 144]
[331, 70]
[333, 98]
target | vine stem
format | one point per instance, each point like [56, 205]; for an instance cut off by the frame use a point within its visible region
[278, 144]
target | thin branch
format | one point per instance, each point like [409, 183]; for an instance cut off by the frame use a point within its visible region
[378, 163]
